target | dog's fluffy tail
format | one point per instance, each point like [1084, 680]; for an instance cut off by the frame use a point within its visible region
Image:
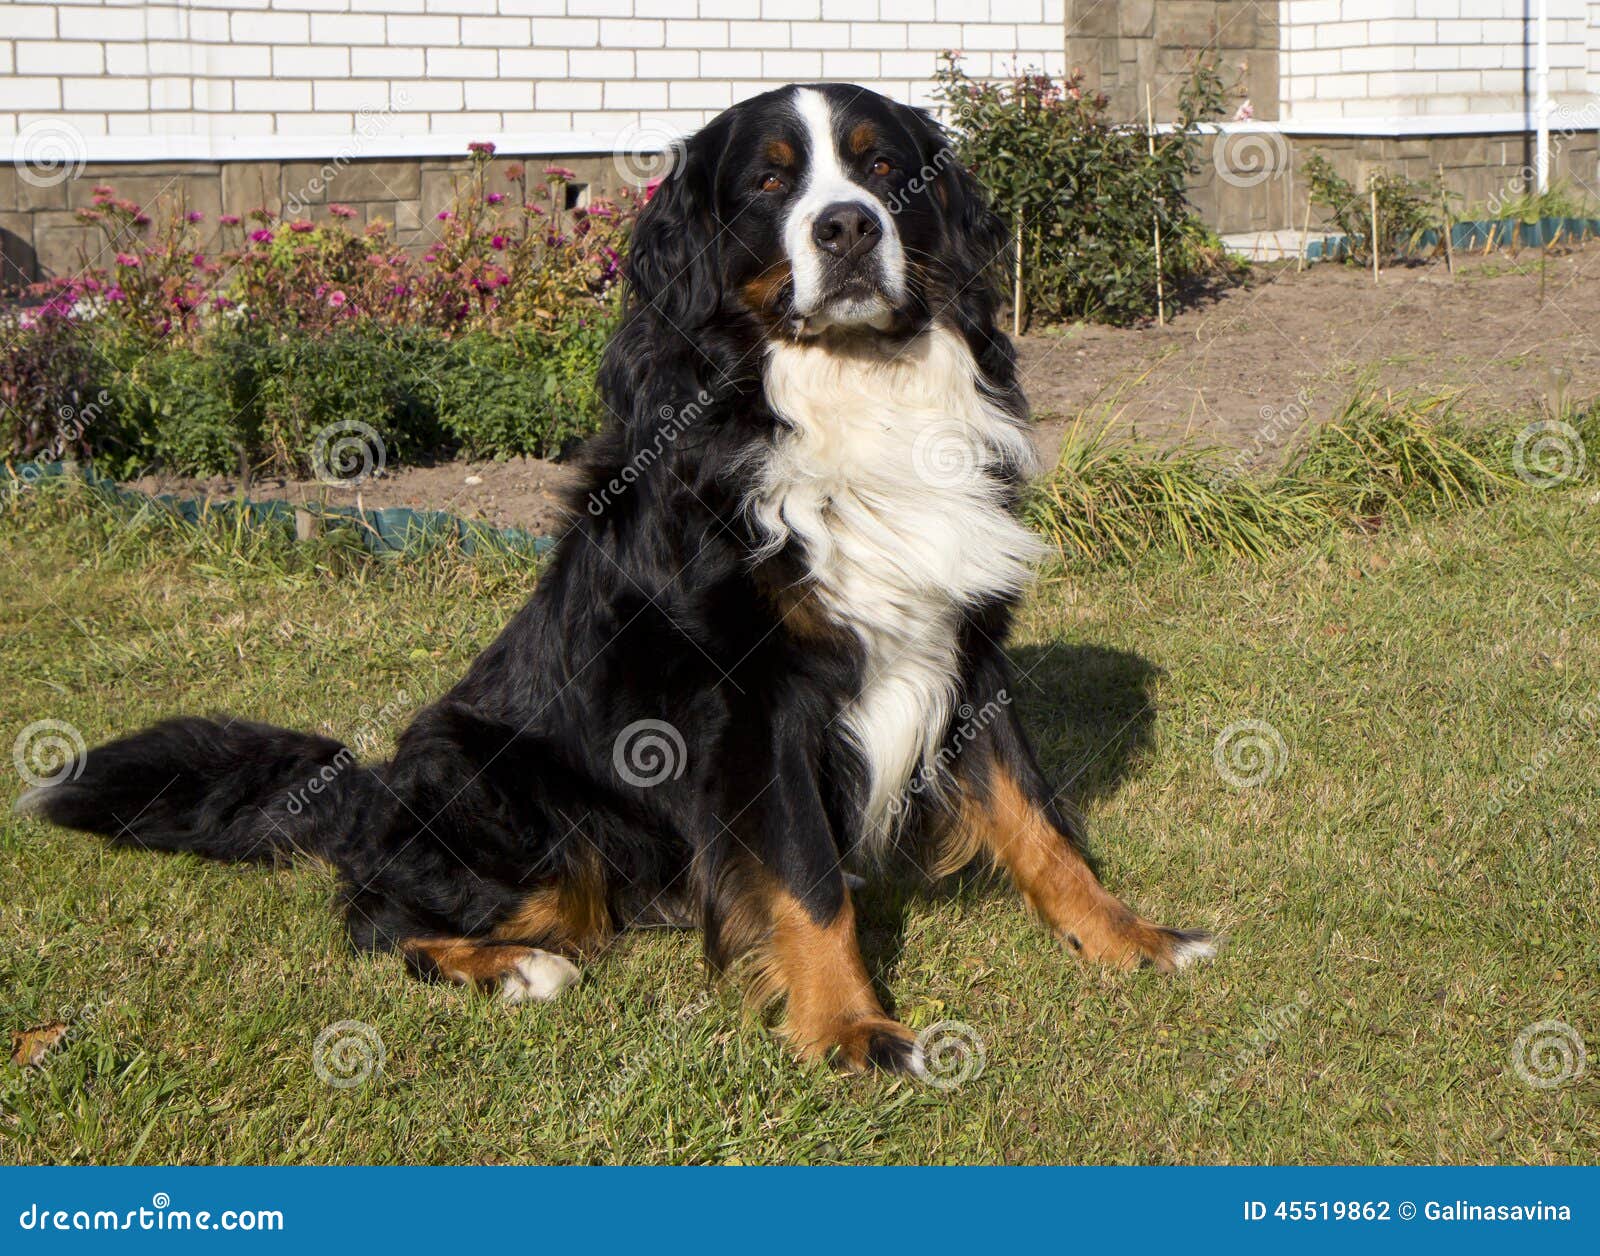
[227, 789]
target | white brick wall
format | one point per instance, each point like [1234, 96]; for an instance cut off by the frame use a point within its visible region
[1430, 59]
[414, 76]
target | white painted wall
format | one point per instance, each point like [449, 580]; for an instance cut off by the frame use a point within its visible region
[221, 78]
[1434, 61]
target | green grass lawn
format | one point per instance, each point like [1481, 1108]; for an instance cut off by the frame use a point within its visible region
[1396, 916]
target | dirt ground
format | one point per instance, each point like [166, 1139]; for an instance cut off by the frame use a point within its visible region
[1248, 369]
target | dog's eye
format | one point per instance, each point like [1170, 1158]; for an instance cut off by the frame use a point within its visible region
[773, 184]
[882, 167]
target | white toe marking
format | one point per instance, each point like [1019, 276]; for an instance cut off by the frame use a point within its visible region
[538, 978]
[919, 1063]
[1192, 951]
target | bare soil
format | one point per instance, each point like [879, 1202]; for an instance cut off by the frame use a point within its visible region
[1249, 369]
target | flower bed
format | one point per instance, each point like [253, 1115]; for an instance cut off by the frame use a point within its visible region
[207, 347]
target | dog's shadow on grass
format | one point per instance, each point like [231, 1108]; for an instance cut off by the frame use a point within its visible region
[1090, 712]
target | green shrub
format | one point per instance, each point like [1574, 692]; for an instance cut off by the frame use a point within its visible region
[50, 375]
[199, 350]
[1406, 210]
[525, 391]
[187, 411]
[1088, 192]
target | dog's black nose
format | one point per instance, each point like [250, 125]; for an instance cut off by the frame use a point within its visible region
[846, 229]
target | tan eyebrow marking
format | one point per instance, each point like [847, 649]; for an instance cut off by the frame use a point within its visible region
[862, 138]
[780, 153]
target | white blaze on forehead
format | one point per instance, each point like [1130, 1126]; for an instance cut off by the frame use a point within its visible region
[826, 182]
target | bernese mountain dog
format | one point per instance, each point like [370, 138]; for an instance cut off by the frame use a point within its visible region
[767, 655]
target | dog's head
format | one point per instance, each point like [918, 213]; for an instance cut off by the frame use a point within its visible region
[820, 210]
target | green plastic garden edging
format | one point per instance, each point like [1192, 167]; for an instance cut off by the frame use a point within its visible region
[1467, 236]
[389, 529]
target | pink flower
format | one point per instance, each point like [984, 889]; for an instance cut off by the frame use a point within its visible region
[114, 293]
[261, 235]
[430, 257]
[336, 299]
[560, 172]
[229, 220]
[341, 211]
[104, 189]
[1245, 113]
[498, 242]
[127, 259]
[494, 198]
[194, 215]
[444, 215]
[482, 148]
[650, 188]
[300, 226]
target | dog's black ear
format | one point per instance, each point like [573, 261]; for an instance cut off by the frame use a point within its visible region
[674, 260]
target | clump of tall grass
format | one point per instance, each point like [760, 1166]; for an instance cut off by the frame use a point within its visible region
[1383, 454]
[1111, 500]
[1405, 453]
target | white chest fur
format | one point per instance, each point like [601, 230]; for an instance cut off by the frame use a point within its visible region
[888, 478]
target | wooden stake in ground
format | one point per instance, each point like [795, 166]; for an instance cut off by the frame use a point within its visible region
[1305, 238]
[1374, 191]
[1016, 284]
[1150, 134]
[1449, 244]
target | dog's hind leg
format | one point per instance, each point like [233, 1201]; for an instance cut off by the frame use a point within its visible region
[522, 974]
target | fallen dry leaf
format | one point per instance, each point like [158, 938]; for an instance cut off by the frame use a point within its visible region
[30, 1046]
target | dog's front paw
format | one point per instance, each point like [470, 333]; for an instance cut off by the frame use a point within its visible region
[1168, 950]
[874, 1042]
[1129, 941]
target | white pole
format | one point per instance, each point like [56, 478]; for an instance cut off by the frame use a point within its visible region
[1541, 76]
